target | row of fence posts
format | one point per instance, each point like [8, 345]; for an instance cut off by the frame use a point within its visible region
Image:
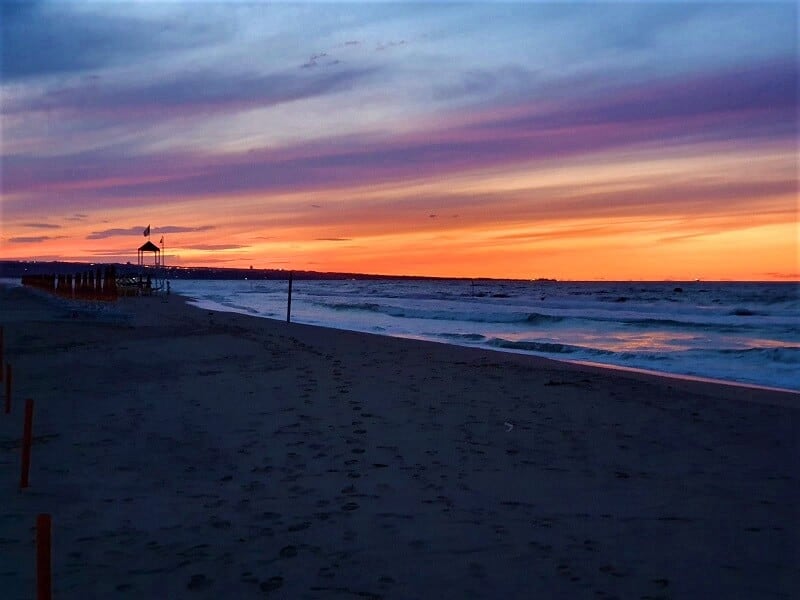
[99, 284]
[43, 521]
[88, 287]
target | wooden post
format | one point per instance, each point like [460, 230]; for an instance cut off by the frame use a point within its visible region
[1, 353]
[8, 388]
[27, 435]
[44, 567]
[289, 303]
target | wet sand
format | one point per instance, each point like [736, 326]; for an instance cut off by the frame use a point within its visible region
[185, 453]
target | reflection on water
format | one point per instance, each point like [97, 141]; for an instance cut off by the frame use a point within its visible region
[733, 331]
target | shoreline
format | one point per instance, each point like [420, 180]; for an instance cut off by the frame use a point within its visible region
[588, 363]
[667, 375]
[681, 376]
[705, 385]
[784, 396]
[189, 453]
[198, 304]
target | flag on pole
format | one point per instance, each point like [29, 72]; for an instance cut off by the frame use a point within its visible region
[147, 231]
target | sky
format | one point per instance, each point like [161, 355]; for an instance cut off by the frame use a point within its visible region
[571, 140]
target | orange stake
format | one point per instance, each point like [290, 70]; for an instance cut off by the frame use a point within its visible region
[44, 569]
[27, 435]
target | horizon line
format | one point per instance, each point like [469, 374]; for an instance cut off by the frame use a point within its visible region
[794, 279]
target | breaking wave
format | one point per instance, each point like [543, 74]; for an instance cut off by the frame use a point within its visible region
[745, 332]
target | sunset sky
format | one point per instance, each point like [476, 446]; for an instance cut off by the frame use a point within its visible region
[575, 140]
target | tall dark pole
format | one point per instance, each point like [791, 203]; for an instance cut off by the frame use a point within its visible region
[289, 303]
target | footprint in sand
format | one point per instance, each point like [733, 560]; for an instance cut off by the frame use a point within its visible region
[271, 584]
[199, 582]
[248, 577]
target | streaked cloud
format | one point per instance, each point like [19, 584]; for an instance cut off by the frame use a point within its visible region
[737, 106]
[139, 229]
[672, 124]
[32, 239]
[214, 247]
[41, 225]
[186, 94]
[180, 229]
[116, 232]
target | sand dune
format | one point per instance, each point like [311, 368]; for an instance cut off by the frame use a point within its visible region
[188, 454]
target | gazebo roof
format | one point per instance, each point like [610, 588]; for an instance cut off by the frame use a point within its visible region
[149, 247]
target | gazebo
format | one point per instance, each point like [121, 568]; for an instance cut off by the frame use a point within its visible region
[149, 246]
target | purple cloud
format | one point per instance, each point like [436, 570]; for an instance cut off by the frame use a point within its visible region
[735, 107]
[139, 229]
[762, 93]
[41, 226]
[188, 94]
[34, 239]
[107, 233]
[179, 229]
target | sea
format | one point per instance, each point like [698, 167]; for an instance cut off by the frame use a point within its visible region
[747, 333]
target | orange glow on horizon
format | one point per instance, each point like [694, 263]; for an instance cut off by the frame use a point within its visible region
[631, 216]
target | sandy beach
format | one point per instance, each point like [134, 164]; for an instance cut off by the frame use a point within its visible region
[190, 454]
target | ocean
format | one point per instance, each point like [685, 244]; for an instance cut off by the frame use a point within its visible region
[739, 332]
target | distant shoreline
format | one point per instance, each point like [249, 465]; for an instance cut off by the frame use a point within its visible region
[14, 269]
